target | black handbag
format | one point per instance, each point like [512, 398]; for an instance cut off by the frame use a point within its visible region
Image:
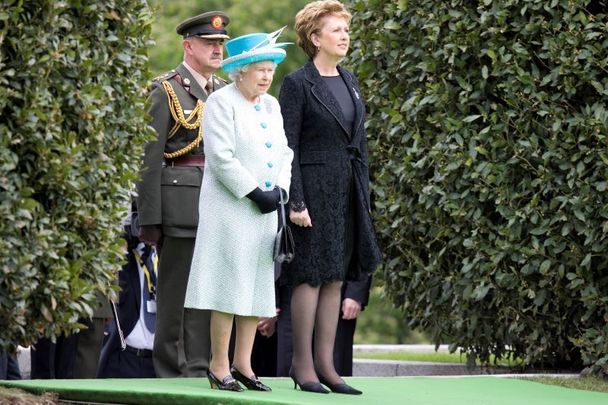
[284, 248]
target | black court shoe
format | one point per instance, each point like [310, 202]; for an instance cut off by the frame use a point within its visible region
[227, 384]
[340, 388]
[309, 386]
[251, 383]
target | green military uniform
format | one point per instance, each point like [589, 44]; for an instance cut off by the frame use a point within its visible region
[168, 196]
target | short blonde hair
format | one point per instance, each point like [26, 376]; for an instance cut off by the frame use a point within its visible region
[308, 21]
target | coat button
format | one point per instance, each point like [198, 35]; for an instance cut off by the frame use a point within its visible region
[269, 164]
[267, 184]
[268, 145]
[264, 125]
[175, 181]
[258, 107]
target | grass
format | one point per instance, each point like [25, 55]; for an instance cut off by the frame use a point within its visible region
[587, 383]
[581, 383]
[434, 357]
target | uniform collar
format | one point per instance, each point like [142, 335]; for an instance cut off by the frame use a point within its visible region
[200, 79]
[190, 84]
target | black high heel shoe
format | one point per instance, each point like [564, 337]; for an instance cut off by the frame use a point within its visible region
[250, 383]
[227, 384]
[309, 386]
[340, 388]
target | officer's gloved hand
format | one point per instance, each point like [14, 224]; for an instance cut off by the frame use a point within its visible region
[267, 201]
[150, 234]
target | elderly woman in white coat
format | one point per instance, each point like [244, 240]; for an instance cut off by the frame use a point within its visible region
[247, 171]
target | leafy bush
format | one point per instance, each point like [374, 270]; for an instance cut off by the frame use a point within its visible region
[488, 123]
[72, 81]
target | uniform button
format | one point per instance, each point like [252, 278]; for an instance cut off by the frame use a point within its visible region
[269, 164]
[258, 107]
[174, 181]
[264, 125]
[268, 145]
[268, 184]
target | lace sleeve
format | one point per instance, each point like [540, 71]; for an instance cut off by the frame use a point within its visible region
[297, 206]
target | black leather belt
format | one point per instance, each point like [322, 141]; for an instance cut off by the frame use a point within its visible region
[139, 352]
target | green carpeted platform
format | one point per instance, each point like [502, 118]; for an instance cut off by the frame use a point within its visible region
[383, 391]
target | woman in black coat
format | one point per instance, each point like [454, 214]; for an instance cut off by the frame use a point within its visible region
[329, 200]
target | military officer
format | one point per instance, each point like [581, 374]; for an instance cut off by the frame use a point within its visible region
[169, 189]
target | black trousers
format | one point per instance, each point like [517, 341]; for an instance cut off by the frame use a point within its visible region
[54, 360]
[284, 333]
[74, 356]
[264, 355]
[88, 348]
[125, 364]
[343, 348]
[9, 367]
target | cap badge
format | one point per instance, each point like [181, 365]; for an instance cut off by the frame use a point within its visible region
[217, 22]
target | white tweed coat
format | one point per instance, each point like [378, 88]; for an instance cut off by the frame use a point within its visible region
[245, 147]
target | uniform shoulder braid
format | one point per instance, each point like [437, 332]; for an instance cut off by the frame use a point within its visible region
[165, 76]
[190, 122]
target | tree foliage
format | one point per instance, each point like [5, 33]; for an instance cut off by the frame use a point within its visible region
[488, 123]
[246, 17]
[72, 100]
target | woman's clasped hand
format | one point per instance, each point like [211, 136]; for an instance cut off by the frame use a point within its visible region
[267, 201]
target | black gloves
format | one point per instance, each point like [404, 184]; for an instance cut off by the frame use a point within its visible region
[267, 201]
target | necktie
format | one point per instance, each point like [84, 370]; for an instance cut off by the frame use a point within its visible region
[148, 262]
[209, 86]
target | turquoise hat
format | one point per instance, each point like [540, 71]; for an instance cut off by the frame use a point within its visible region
[252, 48]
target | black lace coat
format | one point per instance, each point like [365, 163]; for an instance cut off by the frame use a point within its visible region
[328, 164]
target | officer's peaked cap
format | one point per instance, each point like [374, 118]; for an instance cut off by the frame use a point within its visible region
[210, 25]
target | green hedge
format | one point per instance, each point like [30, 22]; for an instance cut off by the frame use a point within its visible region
[488, 124]
[73, 76]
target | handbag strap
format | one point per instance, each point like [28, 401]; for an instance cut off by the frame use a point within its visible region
[282, 203]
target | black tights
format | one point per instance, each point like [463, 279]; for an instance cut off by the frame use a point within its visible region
[315, 310]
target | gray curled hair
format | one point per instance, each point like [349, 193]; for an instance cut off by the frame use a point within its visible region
[237, 72]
